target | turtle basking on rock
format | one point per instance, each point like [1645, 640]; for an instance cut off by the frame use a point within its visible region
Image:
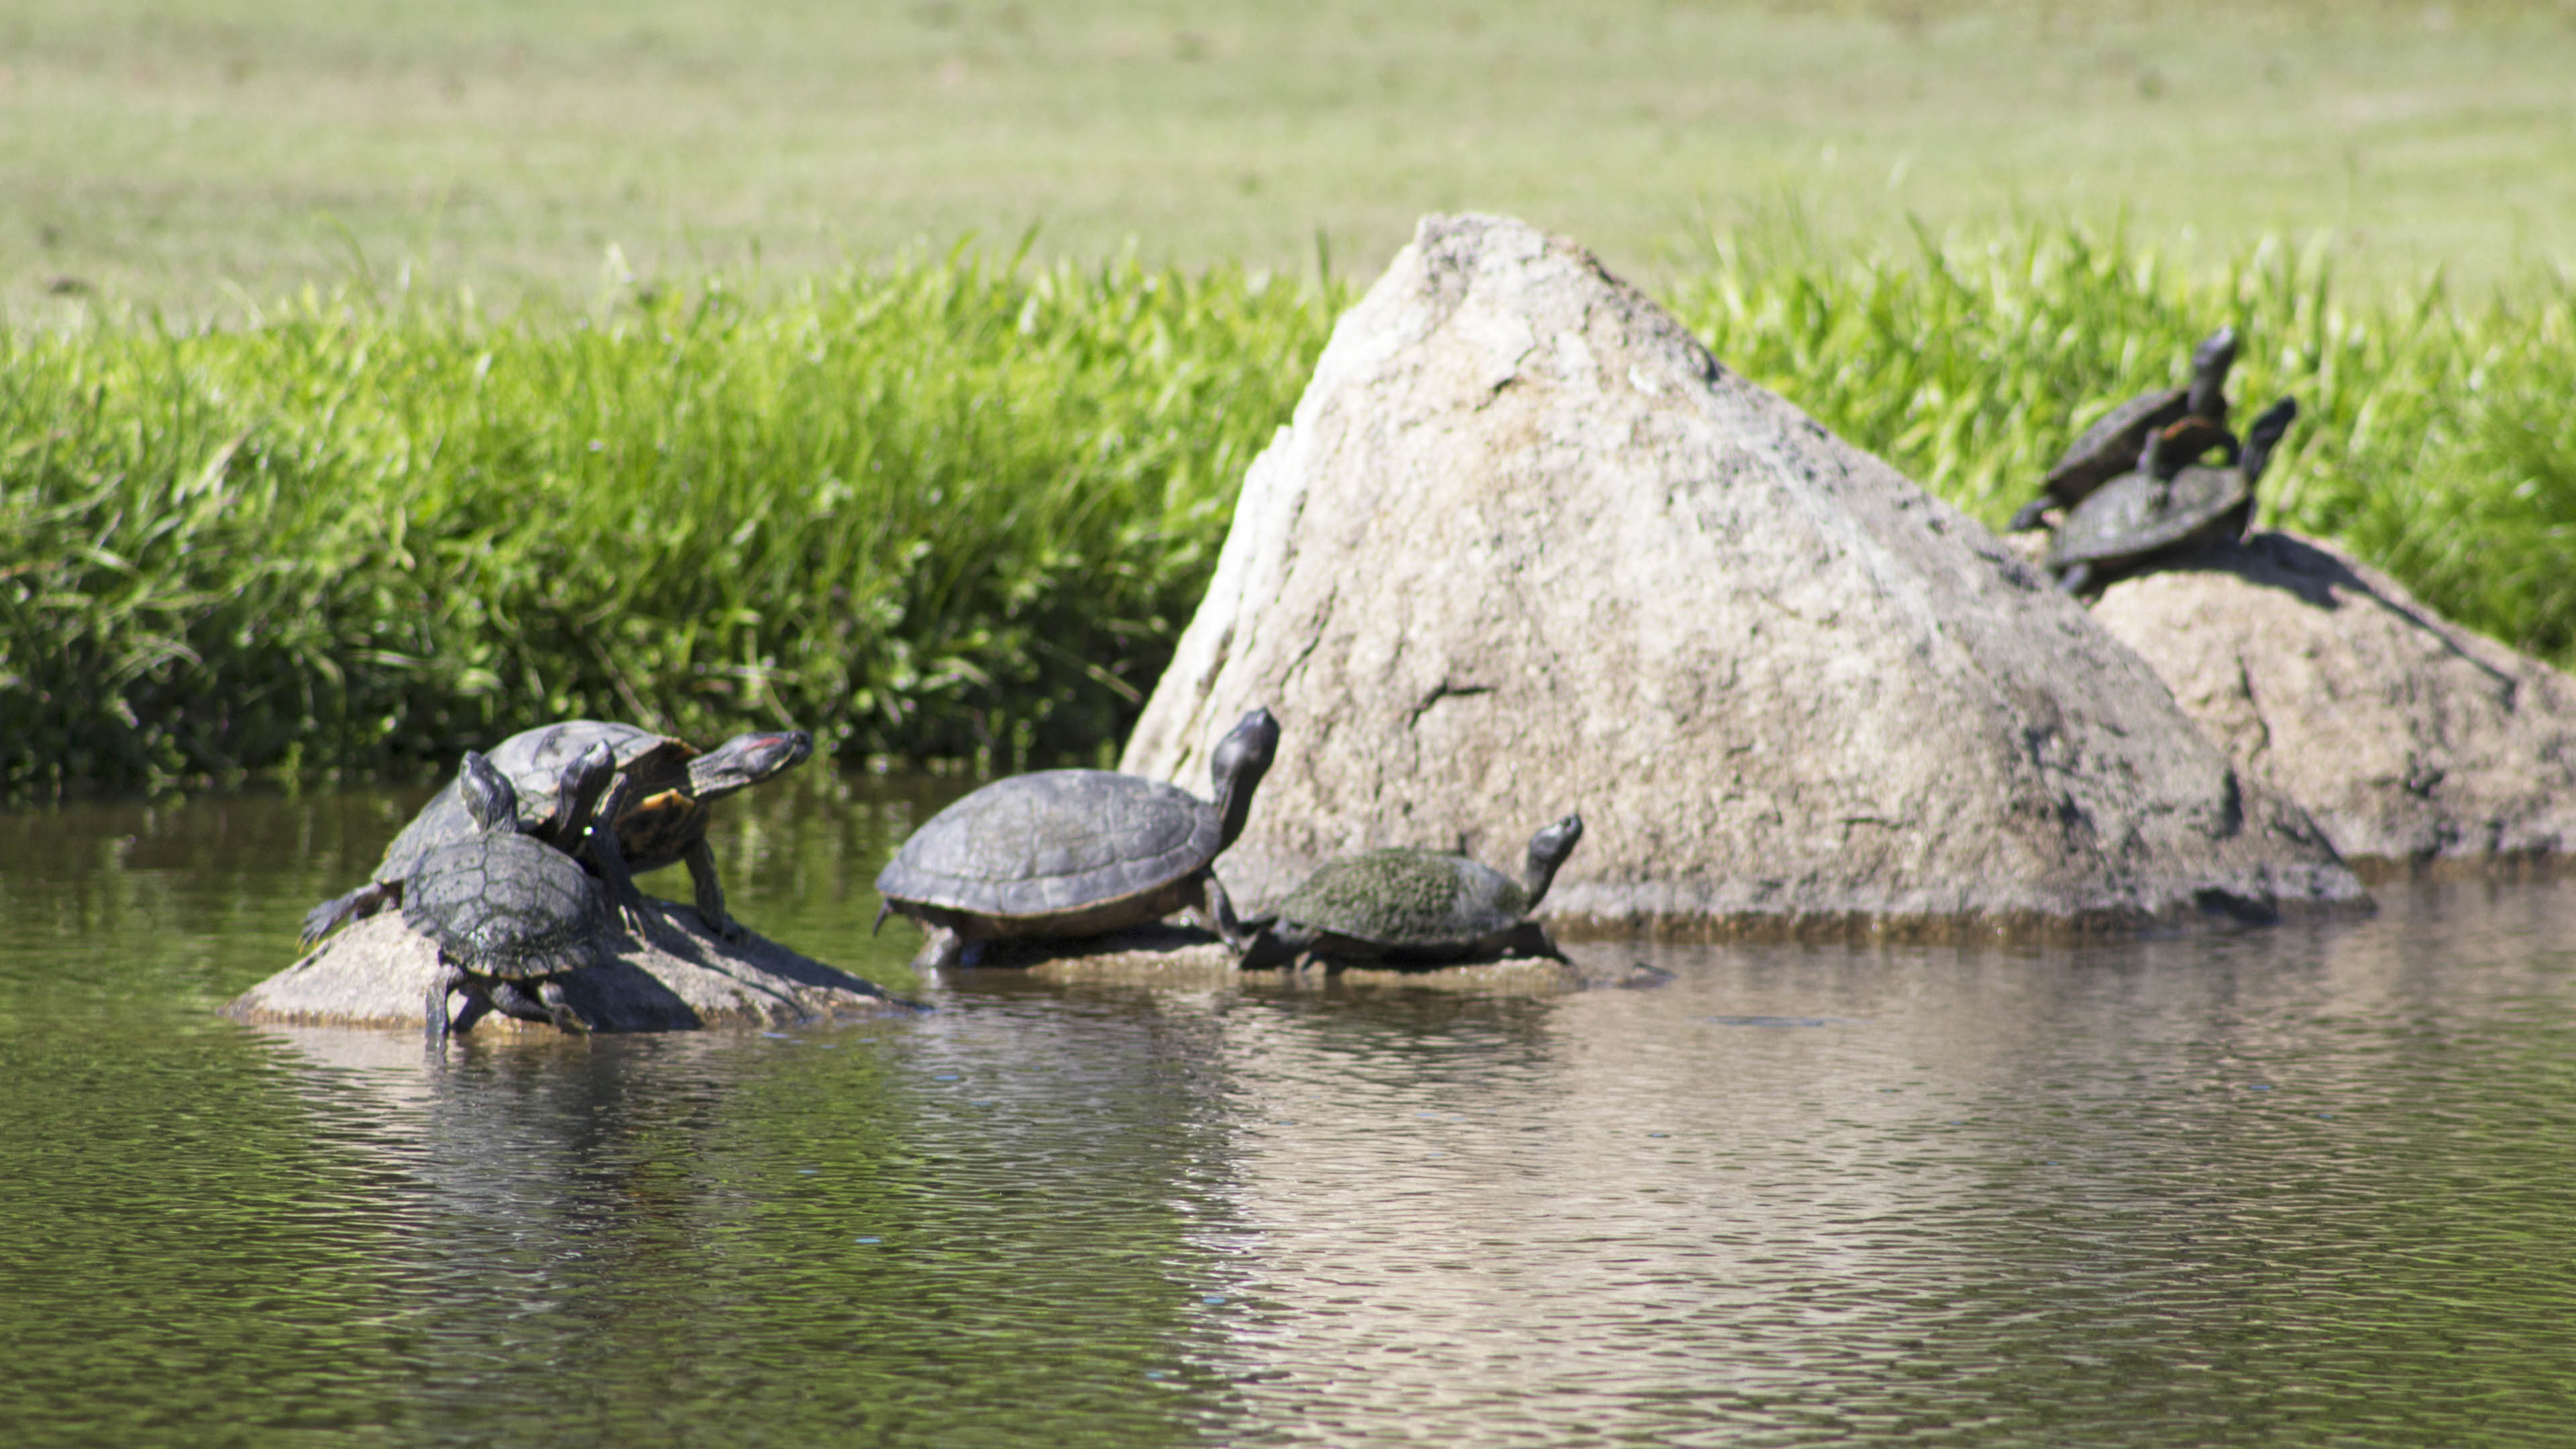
[2168, 505]
[1062, 853]
[663, 820]
[1419, 907]
[2110, 447]
[510, 914]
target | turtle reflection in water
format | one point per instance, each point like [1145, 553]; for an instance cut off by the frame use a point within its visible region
[1063, 853]
[1419, 907]
[510, 915]
[2169, 505]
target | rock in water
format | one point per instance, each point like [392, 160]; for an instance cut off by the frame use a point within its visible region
[376, 971]
[2410, 740]
[1526, 546]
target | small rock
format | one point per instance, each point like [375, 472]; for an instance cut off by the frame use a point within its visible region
[2412, 742]
[376, 972]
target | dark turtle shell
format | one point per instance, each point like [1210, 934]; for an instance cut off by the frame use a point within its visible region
[1052, 844]
[504, 905]
[2138, 513]
[1407, 898]
[664, 817]
[2110, 447]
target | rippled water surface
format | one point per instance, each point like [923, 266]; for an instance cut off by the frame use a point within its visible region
[2304, 1185]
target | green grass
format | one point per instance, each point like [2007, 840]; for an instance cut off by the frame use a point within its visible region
[939, 509]
[959, 507]
[170, 151]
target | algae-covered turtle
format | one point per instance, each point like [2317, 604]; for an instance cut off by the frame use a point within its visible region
[669, 784]
[509, 913]
[1420, 907]
[1062, 853]
[2169, 504]
[2110, 447]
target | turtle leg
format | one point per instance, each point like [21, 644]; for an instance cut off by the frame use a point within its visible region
[514, 1000]
[558, 1010]
[1218, 914]
[940, 948]
[338, 911]
[702, 878]
[1276, 945]
[2074, 579]
[611, 864]
[448, 978]
[2029, 516]
[477, 1006]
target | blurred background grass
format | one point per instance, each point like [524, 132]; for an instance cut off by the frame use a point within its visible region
[382, 380]
[172, 151]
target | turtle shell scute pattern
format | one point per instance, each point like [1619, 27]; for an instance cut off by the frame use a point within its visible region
[2112, 443]
[661, 821]
[501, 904]
[2134, 514]
[1401, 897]
[1054, 841]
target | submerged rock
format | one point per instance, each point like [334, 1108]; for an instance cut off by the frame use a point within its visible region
[1527, 548]
[2410, 740]
[376, 972]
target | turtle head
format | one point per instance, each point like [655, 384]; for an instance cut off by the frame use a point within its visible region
[1239, 762]
[1548, 850]
[747, 760]
[2209, 364]
[490, 801]
[2265, 434]
[577, 792]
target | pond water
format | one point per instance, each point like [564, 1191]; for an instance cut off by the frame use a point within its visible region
[2302, 1185]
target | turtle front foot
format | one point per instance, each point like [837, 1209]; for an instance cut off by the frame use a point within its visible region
[560, 1010]
[721, 926]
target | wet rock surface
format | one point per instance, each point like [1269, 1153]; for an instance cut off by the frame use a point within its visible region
[1527, 548]
[376, 972]
[2412, 742]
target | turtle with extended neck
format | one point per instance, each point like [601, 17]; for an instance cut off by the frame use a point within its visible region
[1065, 853]
[2111, 446]
[2168, 505]
[510, 914]
[1419, 907]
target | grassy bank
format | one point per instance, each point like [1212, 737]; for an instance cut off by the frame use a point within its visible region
[957, 507]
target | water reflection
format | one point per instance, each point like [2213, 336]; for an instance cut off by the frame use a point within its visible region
[2301, 1184]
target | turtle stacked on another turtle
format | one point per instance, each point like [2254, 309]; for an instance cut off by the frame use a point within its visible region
[1419, 907]
[510, 914]
[662, 818]
[2112, 445]
[2169, 503]
[1064, 853]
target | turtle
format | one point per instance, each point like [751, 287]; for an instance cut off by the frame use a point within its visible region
[1059, 853]
[509, 913]
[2168, 504]
[2110, 447]
[1419, 907]
[664, 819]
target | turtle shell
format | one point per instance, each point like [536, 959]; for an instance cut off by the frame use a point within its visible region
[2110, 447]
[501, 904]
[659, 824]
[2134, 515]
[1054, 843]
[1408, 898]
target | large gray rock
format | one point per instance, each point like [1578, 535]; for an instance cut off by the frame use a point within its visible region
[1527, 548]
[376, 972]
[2410, 740]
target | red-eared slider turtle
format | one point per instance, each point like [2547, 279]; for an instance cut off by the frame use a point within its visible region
[1063, 853]
[509, 913]
[2110, 447]
[664, 818]
[1420, 907]
[2168, 505]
